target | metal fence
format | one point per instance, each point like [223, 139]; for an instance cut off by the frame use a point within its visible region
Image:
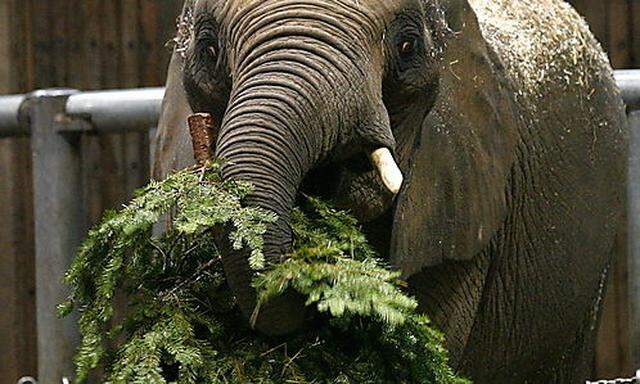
[55, 119]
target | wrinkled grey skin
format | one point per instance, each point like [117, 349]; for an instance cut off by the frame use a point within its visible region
[511, 205]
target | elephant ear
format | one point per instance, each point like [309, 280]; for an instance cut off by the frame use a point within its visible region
[173, 149]
[455, 197]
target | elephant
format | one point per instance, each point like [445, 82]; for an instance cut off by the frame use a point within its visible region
[482, 144]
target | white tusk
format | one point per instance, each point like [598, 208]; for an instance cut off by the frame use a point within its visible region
[389, 172]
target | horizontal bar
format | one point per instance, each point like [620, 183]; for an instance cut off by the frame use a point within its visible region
[9, 110]
[118, 110]
[629, 82]
[139, 109]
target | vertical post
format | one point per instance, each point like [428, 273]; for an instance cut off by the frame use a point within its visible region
[59, 227]
[634, 239]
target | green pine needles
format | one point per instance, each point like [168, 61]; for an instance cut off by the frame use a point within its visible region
[180, 323]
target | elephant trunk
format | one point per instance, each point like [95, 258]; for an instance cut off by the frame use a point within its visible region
[270, 138]
[262, 140]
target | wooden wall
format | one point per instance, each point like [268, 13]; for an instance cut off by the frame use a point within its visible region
[97, 44]
[84, 44]
[616, 23]
[17, 322]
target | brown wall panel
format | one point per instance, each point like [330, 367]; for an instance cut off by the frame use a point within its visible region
[17, 285]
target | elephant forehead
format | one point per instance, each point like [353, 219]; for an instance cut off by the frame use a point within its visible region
[351, 28]
[369, 13]
[356, 5]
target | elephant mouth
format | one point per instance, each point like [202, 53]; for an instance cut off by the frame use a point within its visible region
[355, 182]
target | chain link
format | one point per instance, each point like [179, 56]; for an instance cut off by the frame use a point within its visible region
[31, 380]
[635, 380]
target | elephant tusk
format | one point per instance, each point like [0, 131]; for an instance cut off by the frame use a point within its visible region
[388, 169]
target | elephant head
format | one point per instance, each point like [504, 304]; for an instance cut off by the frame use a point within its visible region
[391, 108]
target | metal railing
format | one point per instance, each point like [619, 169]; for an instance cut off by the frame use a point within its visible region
[138, 109]
[629, 83]
[54, 119]
[100, 111]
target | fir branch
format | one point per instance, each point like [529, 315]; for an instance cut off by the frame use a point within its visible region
[182, 325]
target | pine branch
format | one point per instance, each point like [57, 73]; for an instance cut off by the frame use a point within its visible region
[182, 324]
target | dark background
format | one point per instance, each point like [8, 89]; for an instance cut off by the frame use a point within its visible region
[99, 44]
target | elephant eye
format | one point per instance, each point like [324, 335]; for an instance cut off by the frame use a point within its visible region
[208, 50]
[212, 51]
[407, 47]
[207, 40]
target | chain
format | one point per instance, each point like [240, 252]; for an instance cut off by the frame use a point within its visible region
[31, 380]
[635, 380]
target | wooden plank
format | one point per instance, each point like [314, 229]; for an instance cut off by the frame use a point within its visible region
[90, 78]
[150, 53]
[634, 32]
[157, 22]
[130, 70]
[618, 27]
[613, 351]
[42, 38]
[17, 280]
[136, 144]
[112, 145]
[57, 13]
[76, 59]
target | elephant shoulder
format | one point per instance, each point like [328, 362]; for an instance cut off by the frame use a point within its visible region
[554, 64]
[540, 43]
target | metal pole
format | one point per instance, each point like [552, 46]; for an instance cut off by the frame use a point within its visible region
[9, 123]
[118, 110]
[59, 227]
[633, 258]
[629, 83]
